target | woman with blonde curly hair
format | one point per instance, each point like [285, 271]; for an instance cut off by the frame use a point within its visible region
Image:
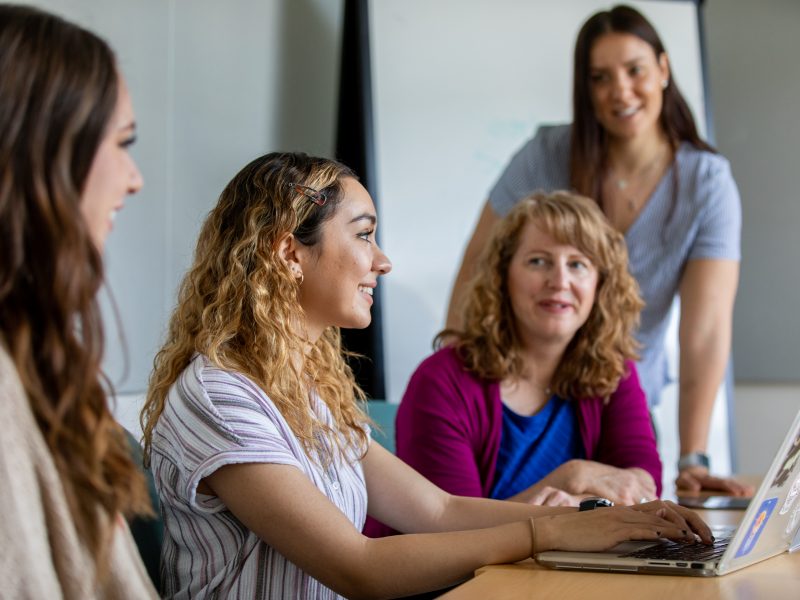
[537, 399]
[261, 453]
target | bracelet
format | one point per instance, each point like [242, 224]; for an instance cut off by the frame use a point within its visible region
[533, 536]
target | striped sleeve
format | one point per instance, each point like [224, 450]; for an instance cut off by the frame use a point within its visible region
[222, 418]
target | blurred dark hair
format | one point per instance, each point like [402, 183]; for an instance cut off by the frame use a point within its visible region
[589, 140]
[59, 89]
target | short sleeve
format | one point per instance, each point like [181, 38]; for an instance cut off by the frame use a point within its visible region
[719, 232]
[542, 163]
[222, 418]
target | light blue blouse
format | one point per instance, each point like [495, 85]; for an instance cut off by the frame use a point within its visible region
[706, 223]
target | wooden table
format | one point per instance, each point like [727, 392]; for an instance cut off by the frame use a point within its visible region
[777, 578]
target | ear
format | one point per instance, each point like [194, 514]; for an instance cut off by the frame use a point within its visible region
[663, 65]
[287, 250]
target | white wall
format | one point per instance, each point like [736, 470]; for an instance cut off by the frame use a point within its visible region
[214, 84]
[753, 49]
[190, 62]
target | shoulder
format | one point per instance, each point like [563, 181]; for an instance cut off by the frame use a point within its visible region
[629, 389]
[551, 142]
[207, 400]
[701, 165]
[10, 384]
[442, 379]
[19, 425]
[555, 135]
[443, 364]
[204, 382]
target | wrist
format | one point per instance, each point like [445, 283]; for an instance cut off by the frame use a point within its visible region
[594, 502]
[571, 476]
[694, 459]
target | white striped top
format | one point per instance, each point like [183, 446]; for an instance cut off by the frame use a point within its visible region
[705, 222]
[213, 418]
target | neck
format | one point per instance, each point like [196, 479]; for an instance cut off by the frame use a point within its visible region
[541, 361]
[633, 155]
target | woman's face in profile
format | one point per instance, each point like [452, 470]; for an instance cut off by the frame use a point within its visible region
[340, 273]
[551, 287]
[113, 174]
[626, 82]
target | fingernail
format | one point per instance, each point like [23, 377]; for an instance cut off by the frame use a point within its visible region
[713, 539]
[685, 532]
[658, 533]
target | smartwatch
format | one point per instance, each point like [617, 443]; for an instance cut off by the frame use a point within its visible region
[694, 459]
[595, 502]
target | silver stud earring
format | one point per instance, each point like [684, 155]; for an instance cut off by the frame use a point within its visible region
[664, 84]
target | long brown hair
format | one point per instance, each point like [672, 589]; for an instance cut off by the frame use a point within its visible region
[594, 360]
[238, 304]
[588, 153]
[58, 92]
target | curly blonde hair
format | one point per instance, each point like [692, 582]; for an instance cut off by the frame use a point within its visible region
[238, 304]
[594, 360]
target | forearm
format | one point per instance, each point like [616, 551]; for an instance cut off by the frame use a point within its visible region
[708, 289]
[561, 478]
[423, 562]
[701, 372]
[461, 513]
[457, 295]
[478, 240]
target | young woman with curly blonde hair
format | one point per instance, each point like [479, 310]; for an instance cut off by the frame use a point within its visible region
[537, 398]
[263, 457]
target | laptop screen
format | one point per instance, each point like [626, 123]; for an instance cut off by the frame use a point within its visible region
[771, 523]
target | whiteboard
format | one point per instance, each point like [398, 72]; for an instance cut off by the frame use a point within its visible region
[457, 87]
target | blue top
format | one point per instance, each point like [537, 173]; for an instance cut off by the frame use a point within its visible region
[531, 447]
[706, 223]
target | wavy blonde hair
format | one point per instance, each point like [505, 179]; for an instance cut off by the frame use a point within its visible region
[238, 304]
[594, 360]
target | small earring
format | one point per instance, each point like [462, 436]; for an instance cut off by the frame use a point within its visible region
[298, 275]
[664, 84]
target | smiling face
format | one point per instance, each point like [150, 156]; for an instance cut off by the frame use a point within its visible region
[113, 174]
[551, 287]
[340, 273]
[626, 82]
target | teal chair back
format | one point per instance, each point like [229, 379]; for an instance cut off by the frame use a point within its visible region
[383, 413]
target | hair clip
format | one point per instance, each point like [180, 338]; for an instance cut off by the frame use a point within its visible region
[317, 197]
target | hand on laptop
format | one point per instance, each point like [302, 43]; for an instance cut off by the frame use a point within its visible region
[697, 478]
[681, 517]
[603, 528]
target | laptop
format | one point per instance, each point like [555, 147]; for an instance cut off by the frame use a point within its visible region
[770, 526]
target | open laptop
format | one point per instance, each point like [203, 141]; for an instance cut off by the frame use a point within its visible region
[770, 526]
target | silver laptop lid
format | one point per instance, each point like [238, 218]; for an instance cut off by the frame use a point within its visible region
[770, 525]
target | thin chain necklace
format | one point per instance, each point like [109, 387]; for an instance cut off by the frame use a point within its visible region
[636, 181]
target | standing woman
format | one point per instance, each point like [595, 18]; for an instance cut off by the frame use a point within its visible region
[634, 147]
[66, 122]
[261, 454]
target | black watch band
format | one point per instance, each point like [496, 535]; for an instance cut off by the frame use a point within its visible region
[592, 503]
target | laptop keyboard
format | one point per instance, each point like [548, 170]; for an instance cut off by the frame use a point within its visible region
[670, 550]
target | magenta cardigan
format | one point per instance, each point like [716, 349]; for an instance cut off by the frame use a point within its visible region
[449, 425]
